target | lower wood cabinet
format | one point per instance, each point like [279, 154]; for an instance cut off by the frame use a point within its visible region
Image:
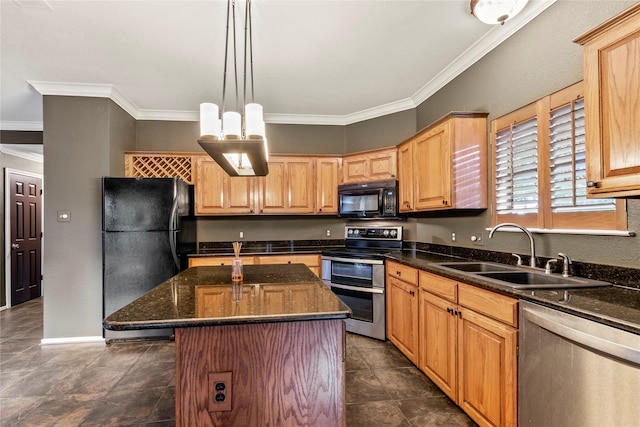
[467, 346]
[402, 308]
[313, 261]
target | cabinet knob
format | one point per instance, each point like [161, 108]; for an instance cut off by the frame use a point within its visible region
[412, 293]
[444, 202]
[320, 210]
[398, 272]
[593, 184]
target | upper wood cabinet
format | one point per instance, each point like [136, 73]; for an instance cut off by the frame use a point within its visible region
[374, 165]
[327, 170]
[295, 185]
[612, 105]
[289, 186]
[217, 193]
[445, 165]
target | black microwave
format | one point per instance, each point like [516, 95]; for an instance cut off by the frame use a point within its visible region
[368, 199]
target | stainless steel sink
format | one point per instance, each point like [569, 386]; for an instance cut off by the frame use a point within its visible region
[477, 267]
[519, 277]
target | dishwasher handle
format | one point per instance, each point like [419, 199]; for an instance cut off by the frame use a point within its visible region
[603, 345]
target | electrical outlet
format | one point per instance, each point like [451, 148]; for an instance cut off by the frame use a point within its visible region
[453, 237]
[478, 239]
[220, 391]
[242, 234]
[328, 233]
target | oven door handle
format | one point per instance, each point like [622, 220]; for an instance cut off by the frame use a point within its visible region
[354, 260]
[357, 288]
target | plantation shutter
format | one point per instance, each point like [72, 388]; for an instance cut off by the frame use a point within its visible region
[517, 168]
[567, 162]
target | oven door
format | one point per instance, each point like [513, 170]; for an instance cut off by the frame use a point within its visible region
[367, 309]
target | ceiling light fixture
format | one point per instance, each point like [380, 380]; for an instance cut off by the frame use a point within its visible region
[238, 146]
[496, 11]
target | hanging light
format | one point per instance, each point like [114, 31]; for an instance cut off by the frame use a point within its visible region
[237, 143]
[496, 11]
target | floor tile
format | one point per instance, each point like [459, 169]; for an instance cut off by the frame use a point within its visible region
[133, 383]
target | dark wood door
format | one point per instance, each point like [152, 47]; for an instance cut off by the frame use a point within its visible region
[26, 238]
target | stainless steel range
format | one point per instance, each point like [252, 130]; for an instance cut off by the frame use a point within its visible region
[356, 275]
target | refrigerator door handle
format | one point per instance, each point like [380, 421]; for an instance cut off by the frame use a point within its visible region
[173, 233]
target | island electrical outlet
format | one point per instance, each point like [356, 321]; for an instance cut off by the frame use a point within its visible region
[219, 391]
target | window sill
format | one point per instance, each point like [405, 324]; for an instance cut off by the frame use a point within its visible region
[571, 231]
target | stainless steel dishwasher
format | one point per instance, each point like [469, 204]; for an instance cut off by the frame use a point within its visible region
[576, 372]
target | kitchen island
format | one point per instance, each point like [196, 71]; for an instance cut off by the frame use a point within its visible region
[275, 357]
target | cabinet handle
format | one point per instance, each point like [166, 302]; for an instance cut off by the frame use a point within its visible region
[320, 210]
[250, 210]
[593, 184]
[444, 202]
[448, 310]
[412, 293]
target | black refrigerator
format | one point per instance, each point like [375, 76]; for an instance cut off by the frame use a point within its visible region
[148, 229]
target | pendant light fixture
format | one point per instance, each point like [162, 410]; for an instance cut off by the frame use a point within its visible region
[237, 142]
[496, 11]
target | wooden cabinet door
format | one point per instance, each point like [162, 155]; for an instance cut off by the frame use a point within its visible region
[376, 165]
[432, 157]
[612, 96]
[289, 186]
[216, 193]
[438, 342]
[383, 165]
[405, 177]
[327, 185]
[487, 370]
[402, 317]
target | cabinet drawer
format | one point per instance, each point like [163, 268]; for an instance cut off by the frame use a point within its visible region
[402, 272]
[441, 286]
[492, 304]
[309, 260]
[217, 260]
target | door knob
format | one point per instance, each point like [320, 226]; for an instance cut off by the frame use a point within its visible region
[15, 246]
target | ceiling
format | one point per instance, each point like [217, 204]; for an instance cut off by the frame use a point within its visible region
[315, 62]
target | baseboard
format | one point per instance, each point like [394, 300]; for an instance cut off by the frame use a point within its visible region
[72, 340]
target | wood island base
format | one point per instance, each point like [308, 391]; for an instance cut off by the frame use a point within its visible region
[261, 374]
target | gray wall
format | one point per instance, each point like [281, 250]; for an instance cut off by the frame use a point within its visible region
[536, 61]
[84, 139]
[24, 165]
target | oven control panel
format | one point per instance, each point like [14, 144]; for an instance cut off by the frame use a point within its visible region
[374, 233]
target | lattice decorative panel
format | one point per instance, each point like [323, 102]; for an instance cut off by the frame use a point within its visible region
[138, 165]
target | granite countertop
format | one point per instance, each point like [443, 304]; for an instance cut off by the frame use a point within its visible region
[202, 296]
[617, 306]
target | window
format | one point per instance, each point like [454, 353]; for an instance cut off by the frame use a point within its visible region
[539, 168]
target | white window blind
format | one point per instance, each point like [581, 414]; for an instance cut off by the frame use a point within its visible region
[568, 163]
[517, 168]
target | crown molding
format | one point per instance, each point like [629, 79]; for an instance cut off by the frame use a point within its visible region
[16, 152]
[32, 126]
[480, 48]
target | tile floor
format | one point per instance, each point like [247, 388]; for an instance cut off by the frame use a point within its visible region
[132, 384]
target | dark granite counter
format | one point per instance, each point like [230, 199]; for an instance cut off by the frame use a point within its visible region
[616, 306]
[202, 296]
[268, 247]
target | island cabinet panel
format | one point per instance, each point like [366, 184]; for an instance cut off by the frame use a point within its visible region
[612, 112]
[281, 374]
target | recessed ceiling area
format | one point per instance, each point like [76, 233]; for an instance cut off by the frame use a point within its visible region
[315, 62]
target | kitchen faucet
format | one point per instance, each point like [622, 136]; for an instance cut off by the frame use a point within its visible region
[532, 261]
[566, 264]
